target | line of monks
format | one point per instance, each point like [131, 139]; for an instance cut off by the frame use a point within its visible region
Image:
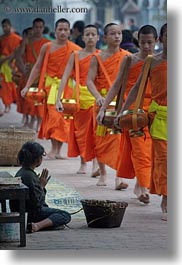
[60, 65]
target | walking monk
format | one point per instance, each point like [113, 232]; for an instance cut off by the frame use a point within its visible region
[9, 41]
[27, 56]
[103, 71]
[134, 158]
[158, 120]
[54, 126]
[79, 124]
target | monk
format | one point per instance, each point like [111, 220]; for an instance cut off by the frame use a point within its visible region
[79, 124]
[27, 56]
[103, 71]
[54, 126]
[134, 158]
[158, 120]
[9, 41]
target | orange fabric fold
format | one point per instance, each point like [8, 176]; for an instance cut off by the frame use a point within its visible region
[105, 146]
[135, 153]
[53, 125]
[80, 125]
[7, 46]
[158, 77]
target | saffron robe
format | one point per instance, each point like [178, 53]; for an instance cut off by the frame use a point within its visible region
[105, 147]
[77, 142]
[134, 158]
[53, 125]
[158, 78]
[30, 59]
[8, 88]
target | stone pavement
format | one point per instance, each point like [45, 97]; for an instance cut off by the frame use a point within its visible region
[141, 228]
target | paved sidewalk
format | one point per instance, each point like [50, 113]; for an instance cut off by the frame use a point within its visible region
[141, 229]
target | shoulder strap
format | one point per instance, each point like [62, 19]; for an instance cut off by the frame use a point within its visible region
[141, 91]
[44, 66]
[77, 73]
[103, 69]
[120, 96]
[142, 86]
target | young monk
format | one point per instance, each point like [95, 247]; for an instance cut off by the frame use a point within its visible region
[27, 56]
[99, 82]
[79, 123]
[158, 120]
[9, 41]
[54, 126]
[134, 158]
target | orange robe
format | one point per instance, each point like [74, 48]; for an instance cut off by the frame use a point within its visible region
[77, 142]
[53, 125]
[8, 88]
[30, 58]
[134, 158]
[158, 78]
[105, 148]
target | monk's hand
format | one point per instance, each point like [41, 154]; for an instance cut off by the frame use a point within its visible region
[100, 117]
[24, 91]
[44, 177]
[100, 101]
[59, 106]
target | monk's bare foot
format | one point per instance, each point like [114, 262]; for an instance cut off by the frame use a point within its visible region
[164, 217]
[60, 157]
[1, 113]
[7, 109]
[49, 156]
[82, 169]
[102, 181]
[95, 173]
[120, 184]
[164, 208]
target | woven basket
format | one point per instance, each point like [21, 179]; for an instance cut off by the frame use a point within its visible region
[11, 141]
[104, 214]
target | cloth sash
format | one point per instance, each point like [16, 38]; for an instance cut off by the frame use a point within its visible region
[158, 129]
[54, 82]
[6, 71]
[101, 129]
[86, 98]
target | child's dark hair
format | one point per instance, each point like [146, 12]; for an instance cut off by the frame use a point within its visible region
[148, 29]
[29, 153]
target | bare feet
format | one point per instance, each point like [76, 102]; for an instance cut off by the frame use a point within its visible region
[49, 157]
[141, 193]
[7, 109]
[95, 173]
[164, 208]
[1, 113]
[82, 169]
[60, 157]
[102, 181]
[120, 185]
[35, 227]
[95, 169]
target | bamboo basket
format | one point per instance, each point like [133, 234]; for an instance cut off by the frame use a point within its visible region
[11, 140]
[104, 214]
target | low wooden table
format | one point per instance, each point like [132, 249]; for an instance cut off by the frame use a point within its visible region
[15, 192]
